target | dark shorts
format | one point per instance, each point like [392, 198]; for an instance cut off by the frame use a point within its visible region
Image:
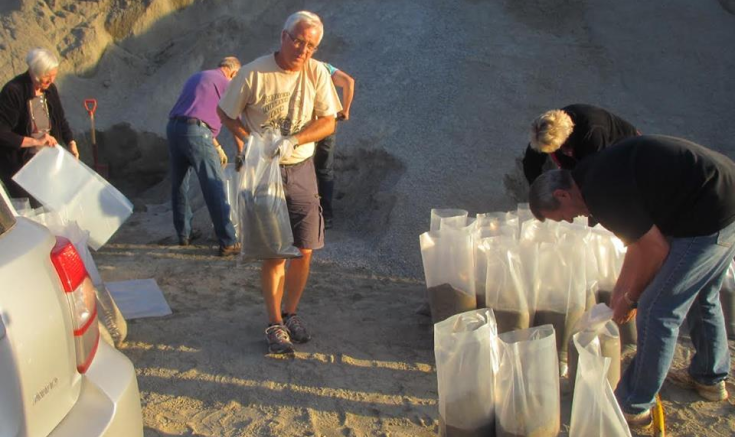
[302, 199]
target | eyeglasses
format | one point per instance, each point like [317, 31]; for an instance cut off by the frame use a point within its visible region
[299, 43]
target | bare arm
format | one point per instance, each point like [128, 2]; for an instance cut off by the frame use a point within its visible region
[235, 126]
[318, 129]
[642, 261]
[347, 83]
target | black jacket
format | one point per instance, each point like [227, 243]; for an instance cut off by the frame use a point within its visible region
[15, 123]
[594, 130]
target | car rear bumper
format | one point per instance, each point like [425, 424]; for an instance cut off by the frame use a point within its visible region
[109, 404]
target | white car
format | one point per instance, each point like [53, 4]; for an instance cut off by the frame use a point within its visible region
[57, 378]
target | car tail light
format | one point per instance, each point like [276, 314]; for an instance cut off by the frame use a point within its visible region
[82, 299]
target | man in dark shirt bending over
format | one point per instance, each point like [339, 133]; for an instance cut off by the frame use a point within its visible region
[570, 134]
[671, 202]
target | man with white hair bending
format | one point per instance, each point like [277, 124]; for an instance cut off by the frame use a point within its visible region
[293, 93]
[570, 134]
[31, 117]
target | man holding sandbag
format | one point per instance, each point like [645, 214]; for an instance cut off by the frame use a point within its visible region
[292, 93]
[670, 201]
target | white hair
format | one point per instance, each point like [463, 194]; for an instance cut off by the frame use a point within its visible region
[41, 61]
[230, 62]
[309, 18]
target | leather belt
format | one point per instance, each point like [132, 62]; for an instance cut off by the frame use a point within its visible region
[191, 120]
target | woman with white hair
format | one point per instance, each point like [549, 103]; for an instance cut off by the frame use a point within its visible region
[570, 134]
[31, 117]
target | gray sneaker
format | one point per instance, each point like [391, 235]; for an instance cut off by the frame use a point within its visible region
[278, 340]
[296, 328]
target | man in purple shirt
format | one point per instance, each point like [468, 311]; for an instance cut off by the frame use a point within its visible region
[192, 143]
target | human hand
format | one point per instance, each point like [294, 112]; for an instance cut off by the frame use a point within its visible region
[222, 156]
[239, 160]
[623, 308]
[285, 147]
[48, 141]
[73, 149]
[343, 115]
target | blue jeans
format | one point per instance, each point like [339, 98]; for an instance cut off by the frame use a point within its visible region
[191, 146]
[687, 285]
[324, 165]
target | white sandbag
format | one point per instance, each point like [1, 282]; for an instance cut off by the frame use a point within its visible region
[610, 253]
[465, 349]
[597, 325]
[265, 230]
[449, 271]
[561, 289]
[505, 286]
[65, 185]
[595, 411]
[497, 219]
[527, 399]
[455, 217]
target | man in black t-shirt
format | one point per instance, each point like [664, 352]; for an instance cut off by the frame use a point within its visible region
[671, 202]
[570, 134]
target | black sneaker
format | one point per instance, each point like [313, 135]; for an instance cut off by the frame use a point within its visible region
[185, 241]
[296, 328]
[278, 340]
[229, 250]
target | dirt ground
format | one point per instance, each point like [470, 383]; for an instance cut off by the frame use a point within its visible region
[368, 371]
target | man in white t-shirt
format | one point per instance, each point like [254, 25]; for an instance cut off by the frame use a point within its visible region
[290, 92]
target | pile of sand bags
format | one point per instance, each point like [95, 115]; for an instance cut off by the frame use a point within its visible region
[492, 384]
[530, 273]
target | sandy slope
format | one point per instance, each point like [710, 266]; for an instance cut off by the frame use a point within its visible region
[445, 89]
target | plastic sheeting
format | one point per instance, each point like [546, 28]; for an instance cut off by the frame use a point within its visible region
[65, 185]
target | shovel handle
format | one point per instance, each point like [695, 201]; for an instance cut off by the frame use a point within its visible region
[90, 105]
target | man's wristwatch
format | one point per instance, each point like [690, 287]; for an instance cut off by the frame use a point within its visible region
[631, 302]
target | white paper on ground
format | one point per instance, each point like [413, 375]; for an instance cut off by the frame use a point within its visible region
[139, 298]
[65, 185]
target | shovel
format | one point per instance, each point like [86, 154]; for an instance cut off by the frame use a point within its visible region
[91, 106]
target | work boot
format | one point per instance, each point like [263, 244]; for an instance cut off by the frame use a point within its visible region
[193, 235]
[229, 250]
[641, 422]
[278, 340]
[296, 328]
[713, 393]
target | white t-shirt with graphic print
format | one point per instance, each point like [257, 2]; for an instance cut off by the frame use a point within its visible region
[266, 96]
